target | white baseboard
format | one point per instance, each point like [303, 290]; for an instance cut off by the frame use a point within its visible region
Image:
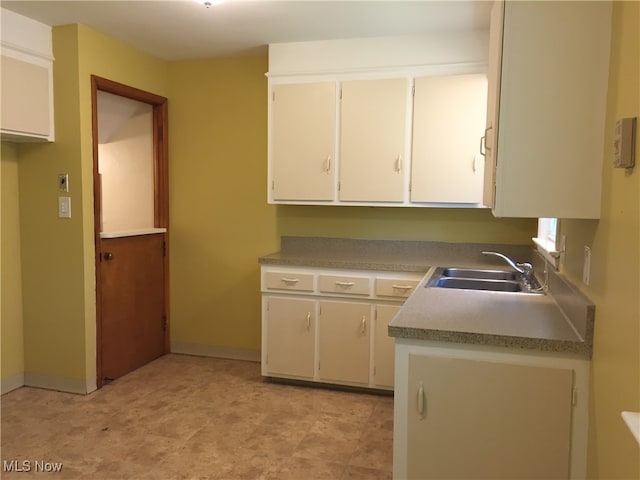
[215, 351]
[61, 384]
[12, 382]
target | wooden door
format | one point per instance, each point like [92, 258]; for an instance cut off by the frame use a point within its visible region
[132, 280]
[303, 141]
[373, 139]
[132, 286]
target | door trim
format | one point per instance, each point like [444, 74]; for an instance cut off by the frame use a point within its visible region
[161, 190]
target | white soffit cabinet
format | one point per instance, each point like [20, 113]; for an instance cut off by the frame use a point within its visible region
[27, 79]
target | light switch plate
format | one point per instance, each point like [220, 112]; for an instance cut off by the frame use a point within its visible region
[64, 207]
[63, 182]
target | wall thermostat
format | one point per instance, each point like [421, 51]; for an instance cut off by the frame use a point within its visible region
[624, 143]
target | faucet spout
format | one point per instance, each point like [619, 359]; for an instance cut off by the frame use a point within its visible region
[526, 269]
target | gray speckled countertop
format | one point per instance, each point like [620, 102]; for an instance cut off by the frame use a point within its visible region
[560, 321]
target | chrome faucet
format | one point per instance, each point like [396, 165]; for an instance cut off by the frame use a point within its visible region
[526, 269]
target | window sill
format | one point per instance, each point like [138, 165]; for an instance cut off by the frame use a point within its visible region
[548, 250]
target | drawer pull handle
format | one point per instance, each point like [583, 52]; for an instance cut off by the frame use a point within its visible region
[363, 325]
[345, 284]
[290, 280]
[327, 163]
[398, 167]
[308, 320]
[402, 287]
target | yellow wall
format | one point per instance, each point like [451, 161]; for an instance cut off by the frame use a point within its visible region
[11, 329]
[221, 223]
[58, 254]
[615, 270]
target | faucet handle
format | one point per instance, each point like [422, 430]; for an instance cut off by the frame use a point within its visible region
[527, 268]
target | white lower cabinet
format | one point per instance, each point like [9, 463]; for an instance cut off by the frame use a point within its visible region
[290, 337]
[383, 349]
[465, 413]
[331, 326]
[344, 332]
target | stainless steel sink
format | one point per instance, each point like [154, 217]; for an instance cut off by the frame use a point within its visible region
[479, 279]
[479, 284]
[482, 274]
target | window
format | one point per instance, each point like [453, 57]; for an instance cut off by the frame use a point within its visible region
[547, 239]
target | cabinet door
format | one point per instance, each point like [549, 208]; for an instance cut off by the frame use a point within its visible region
[25, 97]
[383, 347]
[344, 342]
[303, 141]
[553, 95]
[372, 141]
[490, 138]
[449, 115]
[290, 327]
[477, 419]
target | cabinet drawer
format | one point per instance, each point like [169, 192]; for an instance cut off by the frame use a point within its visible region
[343, 284]
[289, 281]
[395, 287]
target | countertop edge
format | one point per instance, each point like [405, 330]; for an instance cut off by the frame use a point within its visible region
[485, 339]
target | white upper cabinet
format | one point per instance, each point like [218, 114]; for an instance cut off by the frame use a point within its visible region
[303, 141]
[552, 104]
[341, 116]
[372, 140]
[26, 90]
[448, 122]
[489, 139]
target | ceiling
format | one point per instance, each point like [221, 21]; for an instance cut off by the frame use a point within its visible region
[185, 29]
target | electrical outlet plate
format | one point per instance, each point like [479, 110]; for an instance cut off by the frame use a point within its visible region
[64, 207]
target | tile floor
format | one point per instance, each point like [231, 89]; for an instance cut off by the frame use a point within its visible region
[184, 417]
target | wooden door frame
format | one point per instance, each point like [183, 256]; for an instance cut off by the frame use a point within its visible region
[161, 190]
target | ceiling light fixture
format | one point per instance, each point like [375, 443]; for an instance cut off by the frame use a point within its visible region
[208, 3]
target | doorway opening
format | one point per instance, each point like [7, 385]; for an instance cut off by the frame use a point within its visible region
[131, 208]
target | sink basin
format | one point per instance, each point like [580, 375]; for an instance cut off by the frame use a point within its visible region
[479, 284]
[482, 274]
[480, 279]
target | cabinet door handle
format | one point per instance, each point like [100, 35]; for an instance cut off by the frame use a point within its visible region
[363, 325]
[421, 399]
[483, 142]
[290, 280]
[345, 284]
[308, 320]
[402, 287]
[399, 164]
[327, 164]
